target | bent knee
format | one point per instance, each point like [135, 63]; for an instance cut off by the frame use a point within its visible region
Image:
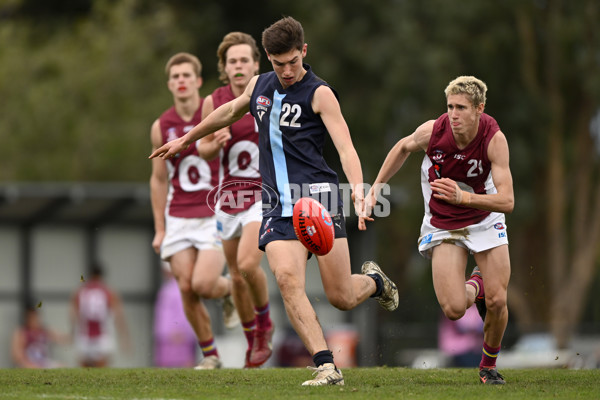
[453, 313]
[495, 304]
[237, 279]
[185, 287]
[248, 268]
[202, 289]
[288, 285]
[341, 303]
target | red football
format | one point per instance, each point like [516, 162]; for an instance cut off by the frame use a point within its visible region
[313, 226]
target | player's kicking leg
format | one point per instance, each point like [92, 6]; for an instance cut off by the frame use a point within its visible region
[345, 291]
[387, 292]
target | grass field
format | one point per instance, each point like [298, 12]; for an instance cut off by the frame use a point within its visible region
[284, 383]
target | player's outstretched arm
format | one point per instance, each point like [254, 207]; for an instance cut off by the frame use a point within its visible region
[325, 103]
[209, 146]
[223, 116]
[417, 141]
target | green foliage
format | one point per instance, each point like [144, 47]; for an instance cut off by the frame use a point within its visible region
[82, 98]
[279, 383]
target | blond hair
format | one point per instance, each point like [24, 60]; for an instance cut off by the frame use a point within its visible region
[474, 88]
[232, 39]
[181, 58]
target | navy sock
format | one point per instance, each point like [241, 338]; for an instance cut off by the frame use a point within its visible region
[378, 284]
[323, 357]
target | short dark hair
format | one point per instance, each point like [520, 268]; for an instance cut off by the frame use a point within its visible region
[284, 35]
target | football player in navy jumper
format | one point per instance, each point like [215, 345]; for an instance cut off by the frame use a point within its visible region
[295, 110]
[467, 187]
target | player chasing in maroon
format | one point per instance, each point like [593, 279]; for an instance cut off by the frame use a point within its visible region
[238, 222]
[467, 188]
[185, 226]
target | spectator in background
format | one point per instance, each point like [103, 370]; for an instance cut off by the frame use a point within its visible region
[94, 309]
[460, 340]
[31, 342]
[175, 343]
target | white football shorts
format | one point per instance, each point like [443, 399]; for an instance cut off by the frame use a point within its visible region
[182, 233]
[230, 226]
[94, 349]
[485, 235]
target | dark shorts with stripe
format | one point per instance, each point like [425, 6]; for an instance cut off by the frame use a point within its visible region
[282, 228]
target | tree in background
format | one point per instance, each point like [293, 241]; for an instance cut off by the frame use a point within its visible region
[80, 92]
[558, 44]
[78, 85]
